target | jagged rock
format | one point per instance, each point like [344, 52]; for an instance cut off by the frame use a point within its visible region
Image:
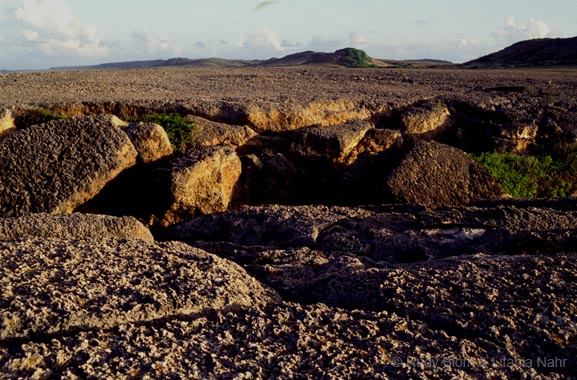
[336, 255]
[200, 182]
[210, 133]
[436, 175]
[72, 226]
[267, 178]
[280, 117]
[150, 140]
[331, 143]
[425, 119]
[51, 286]
[376, 141]
[55, 167]
[264, 226]
[6, 122]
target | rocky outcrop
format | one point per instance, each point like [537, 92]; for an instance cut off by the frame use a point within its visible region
[200, 182]
[331, 143]
[427, 119]
[48, 226]
[210, 133]
[334, 255]
[56, 287]
[434, 175]
[57, 166]
[150, 140]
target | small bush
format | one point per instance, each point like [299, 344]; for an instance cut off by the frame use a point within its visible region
[351, 57]
[531, 176]
[178, 128]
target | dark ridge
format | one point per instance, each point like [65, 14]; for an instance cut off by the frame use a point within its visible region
[538, 53]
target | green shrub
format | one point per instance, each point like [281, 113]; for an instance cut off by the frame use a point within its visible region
[178, 128]
[525, 176]
[352, 57]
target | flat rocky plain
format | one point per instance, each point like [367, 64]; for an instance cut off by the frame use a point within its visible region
[322, 223]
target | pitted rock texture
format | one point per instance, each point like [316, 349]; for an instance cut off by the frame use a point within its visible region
[150, 140]
[72, 226]
[436, 175]
[52, 287]
[201, 181]
[6, 122]
[57, 166]
[210, 133]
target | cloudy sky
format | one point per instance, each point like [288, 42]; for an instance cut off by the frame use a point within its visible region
[38, 34]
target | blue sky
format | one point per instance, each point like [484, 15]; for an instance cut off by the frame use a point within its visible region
[37, 34]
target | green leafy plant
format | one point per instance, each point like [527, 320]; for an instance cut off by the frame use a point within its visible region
[352, 57]
[525, 176]
[178, 128]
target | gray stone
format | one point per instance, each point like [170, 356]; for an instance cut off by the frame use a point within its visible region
[74, 226]
[57, 287]
[436, 175]
[57, 166]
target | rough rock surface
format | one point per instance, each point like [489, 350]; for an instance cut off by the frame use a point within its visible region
[331, 143]
[57, 166]
[150, 140]
[433, 174]
[425, 119]
[200, 182]
[51, 287]
[72, 226]
[6, 122]
[210, 133]
[334, 255]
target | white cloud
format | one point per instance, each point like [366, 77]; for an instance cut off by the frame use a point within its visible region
[262, 43]
[513, 31]
[41, 32]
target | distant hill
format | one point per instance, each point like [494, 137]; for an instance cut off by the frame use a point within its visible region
[539, 53]
[347, 57]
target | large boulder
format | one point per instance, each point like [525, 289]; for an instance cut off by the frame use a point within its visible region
[331, 143]
[150, 140]
[210, 133]
[57, 166]
[436, 175]
[85, 226]
[200, 182]
[425, 119]
[53, 286]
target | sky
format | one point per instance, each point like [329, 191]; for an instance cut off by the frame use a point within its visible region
[39, 34]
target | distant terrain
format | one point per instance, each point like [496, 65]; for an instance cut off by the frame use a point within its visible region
[347, 57]
[547, 52]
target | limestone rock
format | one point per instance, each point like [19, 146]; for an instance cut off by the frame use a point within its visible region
[74, 226]
[435, 175]
[201, 182]
[209, 133]
[374, 142]
[150, 140]
[332, 143]
[264, 226]
[6, 122]
[60, 286]
[427, 118]
[55, 167]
